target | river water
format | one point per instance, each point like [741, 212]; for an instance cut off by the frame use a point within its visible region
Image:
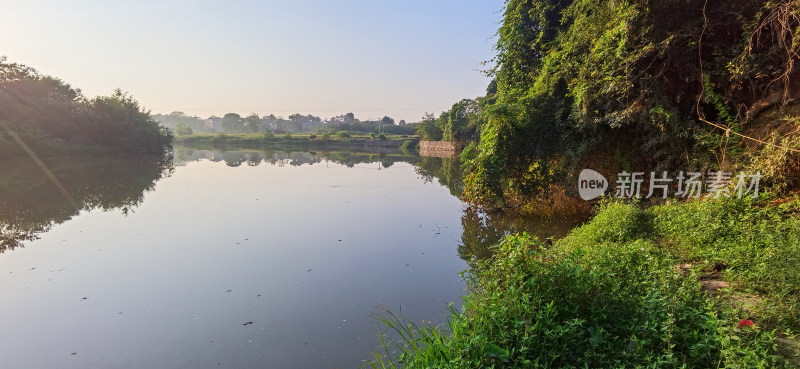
[237, 259]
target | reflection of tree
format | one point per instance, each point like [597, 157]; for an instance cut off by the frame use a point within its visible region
[183, 154]
[31, 203]
[480, 233]
[483, 230]
[294, 158]
[254, 159]
[234, 158]
[446, 170]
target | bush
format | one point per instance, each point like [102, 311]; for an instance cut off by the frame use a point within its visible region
[607, 295]
[408, 145]
[312, 136]
[181, 129]
[343, 134]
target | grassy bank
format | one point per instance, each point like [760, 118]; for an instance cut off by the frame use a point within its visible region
[306, 141]
[669, 286]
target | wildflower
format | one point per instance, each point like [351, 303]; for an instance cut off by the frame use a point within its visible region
[746, 323]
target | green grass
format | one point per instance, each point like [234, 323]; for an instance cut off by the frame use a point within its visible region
[756, 247]
[610, 295]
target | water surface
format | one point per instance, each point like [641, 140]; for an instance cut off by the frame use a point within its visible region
[230, 259]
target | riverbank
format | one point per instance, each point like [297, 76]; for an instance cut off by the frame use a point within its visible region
[302, 141]
[701, 284]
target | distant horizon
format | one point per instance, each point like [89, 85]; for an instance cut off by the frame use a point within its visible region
[314, 57]
[285, 115]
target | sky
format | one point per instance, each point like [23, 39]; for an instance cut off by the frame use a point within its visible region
[326, 58]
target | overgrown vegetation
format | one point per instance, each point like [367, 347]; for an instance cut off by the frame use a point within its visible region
[613, 294]
[666, 85]
[459, 124]
[48, 116]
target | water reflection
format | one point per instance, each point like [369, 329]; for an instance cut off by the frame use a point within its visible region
[235, 158]
[447, 171]
[248, 258]
[481, 229]
[31, 202]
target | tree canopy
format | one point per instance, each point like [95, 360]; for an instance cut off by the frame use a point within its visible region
[43, 112]
[656, 84]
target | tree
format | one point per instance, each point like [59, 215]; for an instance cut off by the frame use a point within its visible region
[233, 123]
[428, 130]
[252, 123]
[41, 110]
[182, 130]
[387, 120]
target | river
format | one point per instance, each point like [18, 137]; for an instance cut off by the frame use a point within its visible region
[236, 259]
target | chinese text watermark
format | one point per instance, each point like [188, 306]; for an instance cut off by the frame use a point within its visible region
[592, 184]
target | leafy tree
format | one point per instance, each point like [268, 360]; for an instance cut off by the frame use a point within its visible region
[119, 122]
[252, 123]
[462, 122]
[182, 130]
[387, 120]
[428, 130]
[233, 123]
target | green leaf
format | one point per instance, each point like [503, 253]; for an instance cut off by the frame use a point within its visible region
[493, 350]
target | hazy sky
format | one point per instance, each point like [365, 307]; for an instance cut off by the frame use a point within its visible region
[374, 58]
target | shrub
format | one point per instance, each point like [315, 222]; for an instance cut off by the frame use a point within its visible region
[607, 295]
[408, 145]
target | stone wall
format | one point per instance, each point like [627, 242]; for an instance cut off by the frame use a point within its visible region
[439, 149]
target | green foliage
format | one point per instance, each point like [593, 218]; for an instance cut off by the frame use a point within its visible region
[607, 295]
[408, 145]
[758, 245]
[343, 134]
[233, 123]
[461, 123]
[182, 130]
[43, 111]
[580, 77]
[428, 130]
[118, 121]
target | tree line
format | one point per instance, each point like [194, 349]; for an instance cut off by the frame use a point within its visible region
[183, 124]
[48, 115]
